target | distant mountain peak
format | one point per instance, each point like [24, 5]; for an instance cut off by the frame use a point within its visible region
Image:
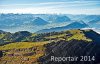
[2, 32]
[77, 24]
[38, 18]
[39, 21]
[74, 25]
[82, 22]
[23, 33]
[62, 19]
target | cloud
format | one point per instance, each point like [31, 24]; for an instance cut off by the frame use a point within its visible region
[76, 7]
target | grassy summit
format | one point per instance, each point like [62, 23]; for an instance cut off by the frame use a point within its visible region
[78, 35]
[70, 35]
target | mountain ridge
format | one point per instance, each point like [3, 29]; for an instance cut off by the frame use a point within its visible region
[38, 48]
[74, 25]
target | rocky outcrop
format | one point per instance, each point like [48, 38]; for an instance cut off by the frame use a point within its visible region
[71, 49]
[1, 53]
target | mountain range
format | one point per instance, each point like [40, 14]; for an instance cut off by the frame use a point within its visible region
[10, 22]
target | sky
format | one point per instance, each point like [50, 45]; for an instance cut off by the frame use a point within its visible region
[50, 6]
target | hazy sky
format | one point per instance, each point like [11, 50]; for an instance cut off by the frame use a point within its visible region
[50, 6]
